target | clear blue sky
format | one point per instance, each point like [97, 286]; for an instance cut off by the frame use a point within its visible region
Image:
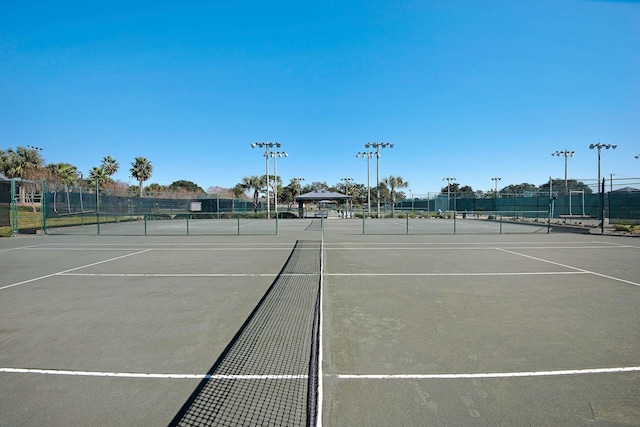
[465, 89]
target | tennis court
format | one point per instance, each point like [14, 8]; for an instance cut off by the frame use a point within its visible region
[418, 329]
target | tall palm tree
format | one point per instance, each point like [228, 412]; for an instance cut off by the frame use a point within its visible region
[110, 165]
[252, 183]
[394, 182]
[141, 170]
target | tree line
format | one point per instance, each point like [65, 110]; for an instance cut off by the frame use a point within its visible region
[27, 163]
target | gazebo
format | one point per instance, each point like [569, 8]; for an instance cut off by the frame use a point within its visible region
[319, 196]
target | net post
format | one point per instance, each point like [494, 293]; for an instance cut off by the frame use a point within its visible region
[238, 214]
[276, 224]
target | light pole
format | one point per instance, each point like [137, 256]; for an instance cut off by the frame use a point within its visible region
[378, 145]
[347, 181]
[566, 154]
[496, 179]
[297, 181]
[267, 145]
[599, 147]
[448, 179]
[275, 155]
[367, 155]
[300, 204]
[411, 195]
[611, 181]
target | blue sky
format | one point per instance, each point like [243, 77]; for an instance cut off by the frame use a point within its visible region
[466, 89]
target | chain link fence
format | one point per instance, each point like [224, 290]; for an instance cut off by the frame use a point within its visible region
[48, 206]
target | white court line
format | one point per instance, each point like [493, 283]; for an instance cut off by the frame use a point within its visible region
[490, 374]
[482, 244]
[71, 269]
[539, 273]
[191, 274]
[573, 268]
[201, 249]
[145, 375]
[447, 248]
[140, 375]
[153, 245]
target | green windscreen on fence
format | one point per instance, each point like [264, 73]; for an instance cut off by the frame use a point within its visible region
[57, 204]
[624, 206]
[5, 202]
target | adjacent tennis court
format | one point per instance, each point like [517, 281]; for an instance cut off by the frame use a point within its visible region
[414, 329]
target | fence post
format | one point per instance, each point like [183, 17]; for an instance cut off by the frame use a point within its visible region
[602, 207]
[98, 206]
[455, 213]
[14, 209]
[43, 206]
[407, 223]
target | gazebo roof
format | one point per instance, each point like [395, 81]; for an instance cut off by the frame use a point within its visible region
[321, 195]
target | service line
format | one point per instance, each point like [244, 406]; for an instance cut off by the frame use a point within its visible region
[488, 374]
[146, 375]
[72, 269]
[582, 270]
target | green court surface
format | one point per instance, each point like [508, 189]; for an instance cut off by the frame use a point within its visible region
[415, 329]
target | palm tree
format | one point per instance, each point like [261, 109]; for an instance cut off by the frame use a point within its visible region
[237, 191]
[97, 173]
[65, 172]
[141, 170]
[17, 163]
[252, 183]
[110, 165]
[394, 182]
